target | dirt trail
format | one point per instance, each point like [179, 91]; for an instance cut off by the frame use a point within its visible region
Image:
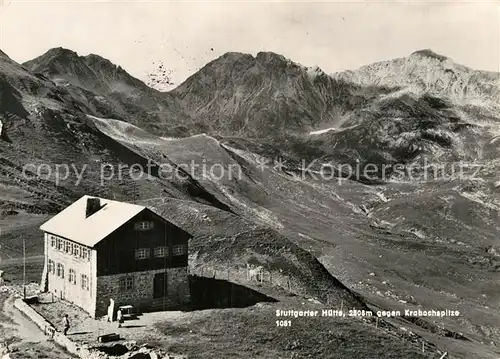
[25, 340]
[25, 329]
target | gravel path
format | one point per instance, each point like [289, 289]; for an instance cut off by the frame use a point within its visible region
[25, 340]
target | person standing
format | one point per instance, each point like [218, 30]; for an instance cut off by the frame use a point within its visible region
[65, 324]
[119, 317]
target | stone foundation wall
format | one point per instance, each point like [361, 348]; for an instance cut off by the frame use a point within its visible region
[141, 295]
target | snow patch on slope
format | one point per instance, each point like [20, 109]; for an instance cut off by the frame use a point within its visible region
[319, 132]
[124, 131]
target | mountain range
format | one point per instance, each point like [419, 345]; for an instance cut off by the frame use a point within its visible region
[407, 234]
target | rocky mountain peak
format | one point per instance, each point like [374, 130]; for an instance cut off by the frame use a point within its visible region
[64, 60]
[425, 71]
[96, 61]
[235, 56]
[428, 53]
[91, 71]
[271, 58]
[58, 54]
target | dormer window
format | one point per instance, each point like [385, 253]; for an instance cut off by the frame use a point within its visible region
[144, 225]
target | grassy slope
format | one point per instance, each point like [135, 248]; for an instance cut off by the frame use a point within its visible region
[224, 241]
[252, 333]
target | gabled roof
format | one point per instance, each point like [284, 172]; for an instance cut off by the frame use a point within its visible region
[72, 224]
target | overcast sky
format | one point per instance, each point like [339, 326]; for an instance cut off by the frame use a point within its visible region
[187, 35]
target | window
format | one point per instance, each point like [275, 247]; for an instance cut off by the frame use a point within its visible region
[160, 252]
[51, 268]
[59, 244]
[72, 276]
[144, 225]
[142, 253]
[67, 246]
[53, 241]
[178, 250]
[76, 250]
[60, 270]
[126, 283]
[85, 282]
[84, 253]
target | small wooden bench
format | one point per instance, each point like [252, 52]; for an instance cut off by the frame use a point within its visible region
[108, 337]
[127, 311]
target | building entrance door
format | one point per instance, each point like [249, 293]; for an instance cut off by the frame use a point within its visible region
[62, 293]
[160, 285]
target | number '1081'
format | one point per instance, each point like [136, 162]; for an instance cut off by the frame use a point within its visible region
[283, 323]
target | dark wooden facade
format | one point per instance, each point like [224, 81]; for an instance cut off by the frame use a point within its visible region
[117, 252]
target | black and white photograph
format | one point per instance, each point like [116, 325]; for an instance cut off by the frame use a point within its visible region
[249, 179]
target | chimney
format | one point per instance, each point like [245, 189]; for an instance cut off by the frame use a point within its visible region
[93, 205]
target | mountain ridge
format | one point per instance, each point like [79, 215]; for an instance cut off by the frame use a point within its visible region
[426, 71]
[270, 97]
[54, 60]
